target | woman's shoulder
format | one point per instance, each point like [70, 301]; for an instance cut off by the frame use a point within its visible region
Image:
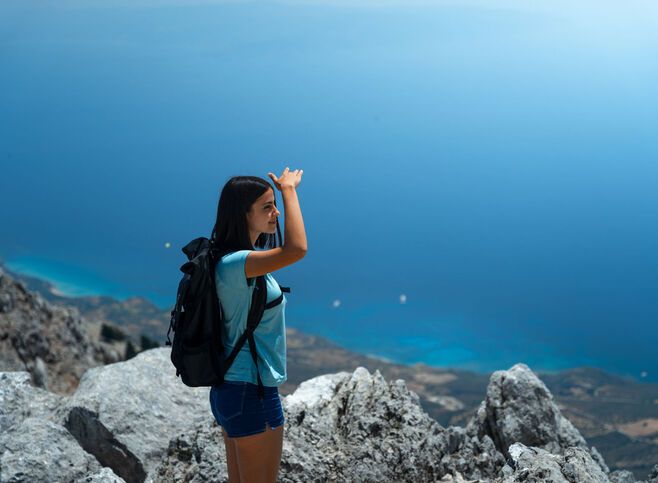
[234, 255]
[230, 269]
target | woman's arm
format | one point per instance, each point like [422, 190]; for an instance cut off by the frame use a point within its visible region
[260, 262]
[294, 234]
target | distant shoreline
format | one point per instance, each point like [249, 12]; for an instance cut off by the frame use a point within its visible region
[69, 286]
[67, 289]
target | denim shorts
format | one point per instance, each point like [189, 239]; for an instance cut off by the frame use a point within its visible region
[238, 409]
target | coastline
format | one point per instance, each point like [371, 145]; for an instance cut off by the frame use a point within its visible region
[44, 276]
[68, 282]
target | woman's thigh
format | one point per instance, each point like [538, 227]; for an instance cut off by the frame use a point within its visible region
[231, 459]
[259, 455]
[252, 427]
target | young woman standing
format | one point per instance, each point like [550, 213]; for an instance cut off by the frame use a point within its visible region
[247, 221]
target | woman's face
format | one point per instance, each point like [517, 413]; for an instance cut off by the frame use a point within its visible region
[263, 214]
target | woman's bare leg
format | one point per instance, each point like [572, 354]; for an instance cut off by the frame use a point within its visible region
[231, 459]
[259, 455]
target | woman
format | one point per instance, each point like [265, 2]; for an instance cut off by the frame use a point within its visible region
[247, 219]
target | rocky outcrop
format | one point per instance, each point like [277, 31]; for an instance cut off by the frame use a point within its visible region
[357, 427]
[136, 316]
[346, 427]
[520, 408]
[48, 341]
[353, 425]
[134, 421]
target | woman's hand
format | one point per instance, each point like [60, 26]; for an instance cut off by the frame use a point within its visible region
[288, 178]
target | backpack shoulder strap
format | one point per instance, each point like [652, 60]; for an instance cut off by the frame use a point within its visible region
[253, 319]
[279, 299]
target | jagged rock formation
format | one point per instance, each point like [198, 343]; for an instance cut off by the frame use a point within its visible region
[48, 341]
[134, 421]
[357, 427]
[347, 427]
[520, 408]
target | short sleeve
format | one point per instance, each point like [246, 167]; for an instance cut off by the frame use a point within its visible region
[230, 269]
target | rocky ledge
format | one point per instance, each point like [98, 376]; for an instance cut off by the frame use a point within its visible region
[134, 421]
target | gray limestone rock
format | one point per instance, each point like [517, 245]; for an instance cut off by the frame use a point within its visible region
[195, 456]
[346, 427]
[49, 341]
[457, 478]
[357, 426]
[37, 449]
[105, 475]
[579, 466]
[33, 446]
[535, 465]
[20, 400]
[126, 413]
[520, 408]
[621, 476]
[532, 465]
[474, 457]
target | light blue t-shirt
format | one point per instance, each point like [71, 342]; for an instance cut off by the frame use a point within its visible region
[270, 336]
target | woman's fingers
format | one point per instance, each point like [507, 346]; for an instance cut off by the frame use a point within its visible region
[284, 176]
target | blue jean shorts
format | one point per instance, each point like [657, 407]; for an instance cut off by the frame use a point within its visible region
[238, 409]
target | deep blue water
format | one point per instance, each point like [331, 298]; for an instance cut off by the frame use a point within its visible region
[495, 164]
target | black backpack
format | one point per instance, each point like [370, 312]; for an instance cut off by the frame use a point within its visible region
[197, 350]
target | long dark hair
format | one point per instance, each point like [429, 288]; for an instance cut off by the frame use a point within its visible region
[231, 231]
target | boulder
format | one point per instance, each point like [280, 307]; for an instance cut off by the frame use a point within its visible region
[33, 446]
[19, 400]
[126, 413]
[40, 450]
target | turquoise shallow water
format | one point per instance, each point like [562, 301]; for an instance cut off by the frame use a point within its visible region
[72, 281]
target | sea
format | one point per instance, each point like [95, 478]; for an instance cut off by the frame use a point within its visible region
[480, 178]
